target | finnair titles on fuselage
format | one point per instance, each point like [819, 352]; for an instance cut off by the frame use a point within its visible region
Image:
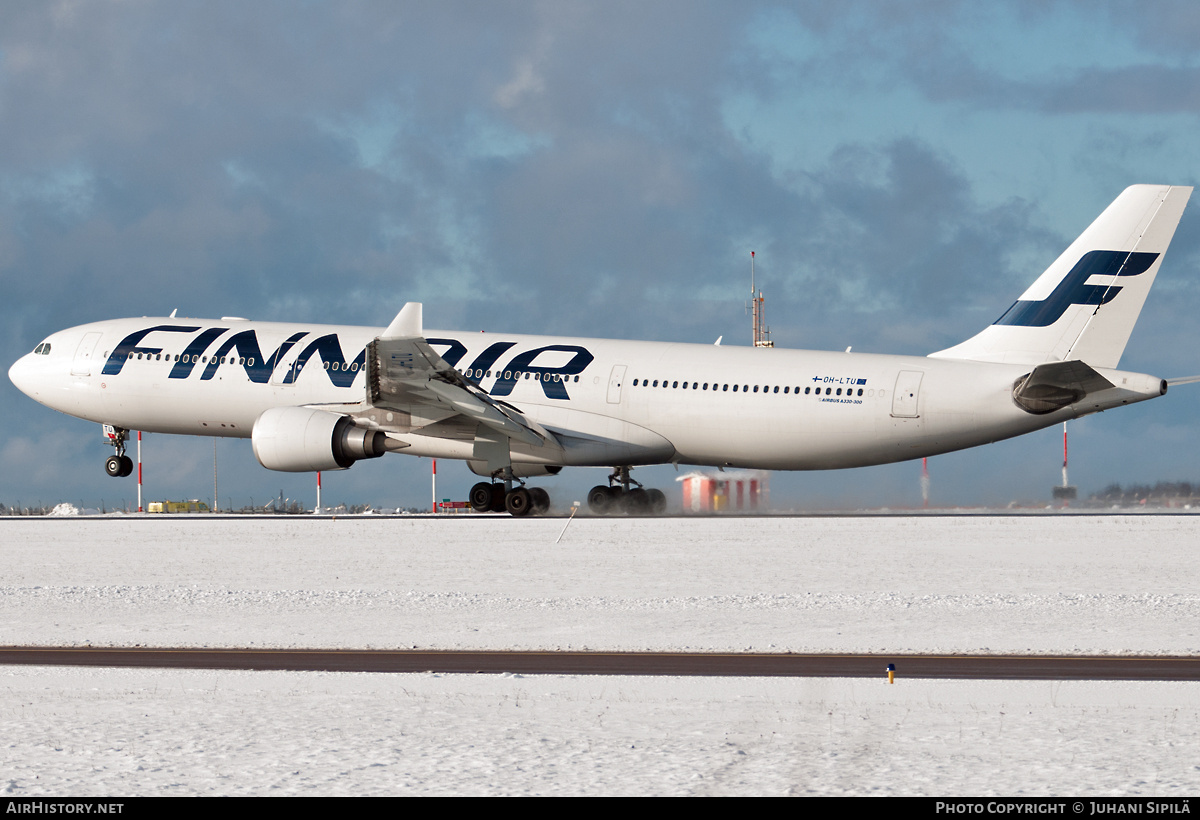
[315, 397]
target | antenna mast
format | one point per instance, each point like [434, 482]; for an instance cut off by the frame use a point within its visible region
[1066, 493]
[762, 333]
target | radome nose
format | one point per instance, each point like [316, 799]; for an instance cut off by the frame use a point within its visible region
[21, 374]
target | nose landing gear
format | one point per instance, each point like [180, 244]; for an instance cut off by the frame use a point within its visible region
[118, 465]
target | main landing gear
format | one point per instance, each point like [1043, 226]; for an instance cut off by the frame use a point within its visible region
[518, 501]
[118, 465]
[618, 498]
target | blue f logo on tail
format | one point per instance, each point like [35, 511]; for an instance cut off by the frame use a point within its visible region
[1074, 289]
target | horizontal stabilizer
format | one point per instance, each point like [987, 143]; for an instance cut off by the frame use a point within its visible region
[1050, 387]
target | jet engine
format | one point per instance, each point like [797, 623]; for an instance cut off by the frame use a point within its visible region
[299, 440]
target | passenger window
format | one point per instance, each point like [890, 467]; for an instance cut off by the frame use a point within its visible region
[674, 384]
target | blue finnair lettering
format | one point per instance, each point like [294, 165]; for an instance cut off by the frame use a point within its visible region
[454, 352]
[1074, 289]
[341, 373]
[243, 349]
[552, 379]
[191, 355]
[488, 357]
[246, 344]
[129, 346]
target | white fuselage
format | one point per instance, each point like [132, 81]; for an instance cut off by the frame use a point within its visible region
[608, 402]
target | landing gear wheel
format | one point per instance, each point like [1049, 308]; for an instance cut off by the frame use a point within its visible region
[541, 500]
[518, 502]
[600, 500]
[637, 501]
[480, 497]
[118, 466]
[658, 502]
[497, 498]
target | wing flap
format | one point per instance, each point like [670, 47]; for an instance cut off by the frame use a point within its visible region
[407, 375]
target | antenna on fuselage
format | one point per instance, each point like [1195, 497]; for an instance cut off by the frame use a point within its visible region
[761, 334]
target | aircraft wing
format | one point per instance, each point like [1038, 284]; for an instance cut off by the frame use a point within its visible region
[407, 375]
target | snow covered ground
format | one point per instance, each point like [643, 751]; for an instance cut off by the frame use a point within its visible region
[1079, 584]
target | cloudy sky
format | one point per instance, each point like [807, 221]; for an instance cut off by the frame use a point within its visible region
[902, 171]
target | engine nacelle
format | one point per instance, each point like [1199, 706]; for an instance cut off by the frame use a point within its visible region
[301, 440]
[519, 470]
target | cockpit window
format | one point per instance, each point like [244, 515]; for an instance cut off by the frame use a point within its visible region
[43, 349]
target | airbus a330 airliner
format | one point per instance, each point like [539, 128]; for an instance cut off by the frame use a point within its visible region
[313, 397]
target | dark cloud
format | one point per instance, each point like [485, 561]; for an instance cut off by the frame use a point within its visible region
[1170, 27]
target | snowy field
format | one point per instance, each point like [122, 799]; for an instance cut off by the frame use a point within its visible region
[1049, 584]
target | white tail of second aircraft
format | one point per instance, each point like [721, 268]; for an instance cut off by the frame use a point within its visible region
[1085, 305]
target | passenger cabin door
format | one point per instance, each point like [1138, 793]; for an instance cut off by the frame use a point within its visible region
[82, 365]
[908, 391]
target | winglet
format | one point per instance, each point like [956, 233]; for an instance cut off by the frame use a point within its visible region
[407, 324]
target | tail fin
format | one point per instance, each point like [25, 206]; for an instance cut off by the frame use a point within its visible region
[1085, 305]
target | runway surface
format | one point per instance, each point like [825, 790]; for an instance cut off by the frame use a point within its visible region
[977, 667]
